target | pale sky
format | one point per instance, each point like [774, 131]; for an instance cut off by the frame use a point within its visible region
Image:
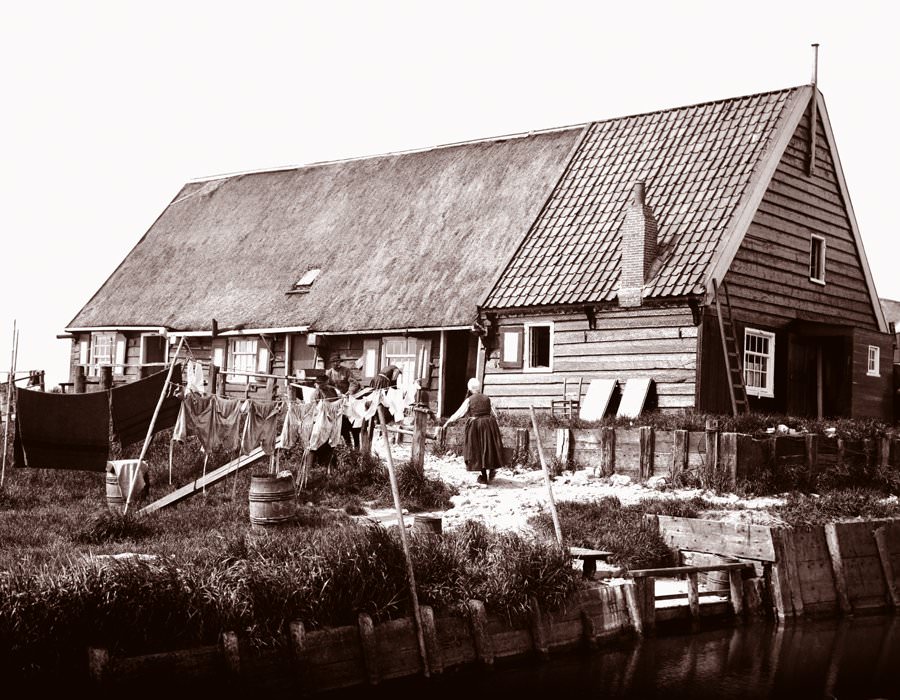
[109, 107]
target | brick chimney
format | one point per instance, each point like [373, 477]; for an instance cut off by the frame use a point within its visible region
[638, 247]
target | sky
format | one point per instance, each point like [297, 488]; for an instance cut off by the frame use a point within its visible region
[110, 107]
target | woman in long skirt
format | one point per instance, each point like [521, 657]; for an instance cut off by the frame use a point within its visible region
[483, 451]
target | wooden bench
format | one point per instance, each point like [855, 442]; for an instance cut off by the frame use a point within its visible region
[589, 558]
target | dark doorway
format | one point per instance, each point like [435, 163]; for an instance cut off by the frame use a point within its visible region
[459, 367]
[819, 376]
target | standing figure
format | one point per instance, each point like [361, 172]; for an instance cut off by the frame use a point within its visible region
[385, 379]
[483, 451]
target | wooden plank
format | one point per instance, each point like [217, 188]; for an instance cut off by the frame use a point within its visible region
[837, 565]
[647, 452]
[597, 398]
[727, 539]
[693, 595]
[680, 451]
[607, 451]
[887, 539]
[633, 397]
[370, 648]
[679, 571]
[861, 564]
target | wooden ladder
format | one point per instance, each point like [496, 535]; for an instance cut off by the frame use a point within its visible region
[732, 353]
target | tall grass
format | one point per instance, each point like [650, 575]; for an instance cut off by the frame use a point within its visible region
[803, 509]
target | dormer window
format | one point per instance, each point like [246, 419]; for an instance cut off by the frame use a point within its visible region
[306, 280]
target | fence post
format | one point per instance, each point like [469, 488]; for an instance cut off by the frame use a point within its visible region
[647, 437]
[680, 451]
[812, 457]
[712, 445]
[564, 446]
[522, 444]
[607, 451]
[80, 381]
[729, 449]
[213, 378]
[105, 377]
[420, 424]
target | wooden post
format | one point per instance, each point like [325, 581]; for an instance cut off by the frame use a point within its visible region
[812, 456]
[41, 381]
[887, 566]
[537, 438]
[106, 377]
[693, 595]
[837, 566]
[736, 590]
[647, 437]
[435, 660]
[80, 382]
[712, 446]
[231, 650]
[607, 451]
[369, 647]
[634, 599]
[10, 380]
[538, 630]
[297, 633]
[395, 491]
[680, 451]
[213, 378]
[522, 444]
[564, 446]
[420, 426]
[159, 403]
[884, 452]
[484, 648]
[729, 452]
[98, 662]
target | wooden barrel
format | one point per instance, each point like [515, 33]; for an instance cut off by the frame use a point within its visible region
[115, 501]
[428, 523]
[272, 501]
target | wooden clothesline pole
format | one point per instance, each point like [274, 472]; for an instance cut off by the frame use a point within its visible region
[537, 438]
[9, 384]
[162, 396]
[417, 615]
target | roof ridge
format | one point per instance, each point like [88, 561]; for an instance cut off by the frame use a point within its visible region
[486, 139]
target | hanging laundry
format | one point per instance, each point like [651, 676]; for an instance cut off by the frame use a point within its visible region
[396, 402]
[134, 404]
[214, 420]
[327, 424]
[195, 379]
[298, 422]
[61, 431]
[260, 425]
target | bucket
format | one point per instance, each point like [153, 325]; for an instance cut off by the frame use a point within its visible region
[719, 580]
[428, 524]
[272, 501]
[115, 501]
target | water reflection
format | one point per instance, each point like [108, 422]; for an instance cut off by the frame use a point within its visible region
[848, 658]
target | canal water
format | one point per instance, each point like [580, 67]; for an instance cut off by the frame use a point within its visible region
[839, 659]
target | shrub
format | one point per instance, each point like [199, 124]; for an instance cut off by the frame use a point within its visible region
[109, 526]
[802, 509]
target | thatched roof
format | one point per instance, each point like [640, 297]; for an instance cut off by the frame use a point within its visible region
[891, 311]
[403, 241]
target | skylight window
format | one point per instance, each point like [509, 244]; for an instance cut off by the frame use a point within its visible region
[305, 282]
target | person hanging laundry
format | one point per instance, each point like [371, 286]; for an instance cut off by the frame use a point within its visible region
[261, 425]
[61, 431]
[352, 424]
[386, 378]
[483, 451]
[133, 405]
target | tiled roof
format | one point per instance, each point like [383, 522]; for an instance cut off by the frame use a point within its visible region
[697, 164]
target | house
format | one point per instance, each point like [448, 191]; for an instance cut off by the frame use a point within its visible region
[891, 308]
[595, 251]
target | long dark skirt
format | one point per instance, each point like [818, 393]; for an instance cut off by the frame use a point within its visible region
[484, 445]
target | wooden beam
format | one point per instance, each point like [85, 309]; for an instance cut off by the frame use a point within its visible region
[442, 374]
[837, 566]
[678, 571]
[885, 537]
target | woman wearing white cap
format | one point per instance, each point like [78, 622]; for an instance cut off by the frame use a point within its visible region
[483, 451]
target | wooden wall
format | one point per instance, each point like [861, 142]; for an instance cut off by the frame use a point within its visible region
[769, 278]
[872, 396]
[647, 342]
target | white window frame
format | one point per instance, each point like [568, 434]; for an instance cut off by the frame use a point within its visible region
[527, 365]
[259, 354]
[405, 361]
[767, 391]
[817, 242]
[873, 368]
[143, 351]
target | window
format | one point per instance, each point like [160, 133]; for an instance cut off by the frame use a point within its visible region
[817, 259]
[246, 355]
[305, 282]
[874, 367]
[105, 349]
[153, 349]
[402, 353]
[539, 342]
[511, 347]
[759, 362]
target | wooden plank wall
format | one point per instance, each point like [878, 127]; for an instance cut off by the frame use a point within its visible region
[872, 396]
[648, 342]
[769, 279]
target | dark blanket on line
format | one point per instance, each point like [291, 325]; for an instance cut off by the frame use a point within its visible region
[133, 404]
[61, 431]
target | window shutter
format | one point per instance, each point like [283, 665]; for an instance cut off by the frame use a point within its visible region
[262, 359]
[511, 340]
[121, 347]
[84, 352]
[423, 362]
[371, 349]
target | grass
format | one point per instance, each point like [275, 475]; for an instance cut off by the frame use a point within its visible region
[609, 525]
[803, 509]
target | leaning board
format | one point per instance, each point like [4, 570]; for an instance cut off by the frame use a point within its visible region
[633, 397]
[599, 392]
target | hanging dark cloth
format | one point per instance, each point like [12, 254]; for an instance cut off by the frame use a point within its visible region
[61, 431]
[214, 420]
[133, 404]
[261, 426]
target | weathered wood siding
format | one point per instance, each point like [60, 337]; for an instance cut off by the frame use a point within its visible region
[769, 277]
[872, 396]
[646, 342]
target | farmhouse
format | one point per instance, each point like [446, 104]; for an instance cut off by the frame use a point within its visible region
[711, 249]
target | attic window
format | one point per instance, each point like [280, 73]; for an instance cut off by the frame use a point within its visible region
[305, 282]
[817, 259]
